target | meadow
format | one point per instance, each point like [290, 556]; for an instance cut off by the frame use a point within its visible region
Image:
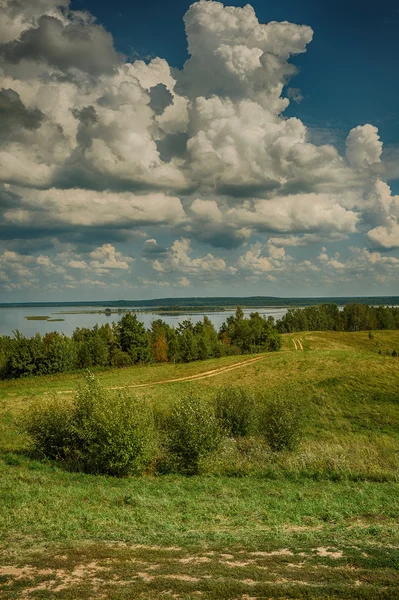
[318, 522]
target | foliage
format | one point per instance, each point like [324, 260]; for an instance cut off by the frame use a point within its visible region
[99, 433]
[192, 432]
[133, 338]
[255, 334]
[328, 317]
[347, 390]
[281, 423]
[159, 344]
[50, 427]
[128, 342]
[236, 410]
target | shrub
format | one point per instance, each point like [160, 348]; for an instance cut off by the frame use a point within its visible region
[50, 426]
[99, 433]
[120, 358]
[281, 423]
[235, 409]
[193, 431]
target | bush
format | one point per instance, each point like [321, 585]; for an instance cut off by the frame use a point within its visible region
[281, 423]
[235, 409]
[100, 433]
[50, 426]
[192, 432]
[120, 358]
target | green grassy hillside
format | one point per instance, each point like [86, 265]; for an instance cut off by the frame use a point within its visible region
[321, 522]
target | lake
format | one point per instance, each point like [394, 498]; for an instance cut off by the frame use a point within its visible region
[15, 318]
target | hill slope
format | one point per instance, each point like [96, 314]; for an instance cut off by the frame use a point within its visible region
[321, 522]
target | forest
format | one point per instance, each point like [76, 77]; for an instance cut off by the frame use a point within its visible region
[328, 317]
[128, 342]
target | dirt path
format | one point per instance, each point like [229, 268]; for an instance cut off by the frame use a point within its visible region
[205, 375]
[297, 343]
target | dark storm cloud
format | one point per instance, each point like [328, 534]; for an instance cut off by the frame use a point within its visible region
[88, 119]
[221, 238]
[8, 199]
[248, 190]
[174, 145]
[14, 114]
[152, 251]
[78, 45]
[161, 98]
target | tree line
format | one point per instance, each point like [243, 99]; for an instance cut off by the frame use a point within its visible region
[128, 342]
[328, 317]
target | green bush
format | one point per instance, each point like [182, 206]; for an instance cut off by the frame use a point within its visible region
[235, 409]
[192, 432]
[99, 433]
[50, 426]
[281, 423]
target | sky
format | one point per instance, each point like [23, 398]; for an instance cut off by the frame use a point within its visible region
[159, 149]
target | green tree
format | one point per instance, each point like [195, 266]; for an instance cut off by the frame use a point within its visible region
[172, 340]
[133, 338]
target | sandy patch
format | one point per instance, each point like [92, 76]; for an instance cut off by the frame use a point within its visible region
[24, 572]
[248, 581]
[282, 552]
[194, 560]
[237, 563]
[146, 577]
[326, 553]
[182, 578]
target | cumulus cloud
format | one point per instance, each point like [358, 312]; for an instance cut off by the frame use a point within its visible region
[299, 213]
[95, 146]
[86, 208]
[73, 44]
[381, 209]
[385, 237]
[153, 251]
[261, 260]
[178, 260]
[13, 113]
[363, 146]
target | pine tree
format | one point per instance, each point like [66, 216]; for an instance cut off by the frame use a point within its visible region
[133, 338]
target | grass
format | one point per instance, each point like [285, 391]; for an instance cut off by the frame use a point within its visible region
[321, 522]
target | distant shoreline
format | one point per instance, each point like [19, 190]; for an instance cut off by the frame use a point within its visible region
[213, 303]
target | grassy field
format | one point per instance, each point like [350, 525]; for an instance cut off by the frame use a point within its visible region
[321, 522]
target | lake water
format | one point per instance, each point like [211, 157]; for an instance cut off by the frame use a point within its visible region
[15, 318]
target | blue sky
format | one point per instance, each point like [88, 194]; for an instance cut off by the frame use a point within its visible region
[127, 172]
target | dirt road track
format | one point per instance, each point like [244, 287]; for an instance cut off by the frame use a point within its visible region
[297, 343]
[205, 375]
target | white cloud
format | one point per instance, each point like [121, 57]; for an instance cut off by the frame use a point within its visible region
[385, 237]
[88, 208]
[297, 213]
[178, 260]
[94, 148]
[363, 146]
[382, 210]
